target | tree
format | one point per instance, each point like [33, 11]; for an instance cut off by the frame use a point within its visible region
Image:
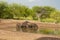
[3, 6]
[4, 11]
[56, 15]
[43, 12]
[37, 10]
[20, 10]
[15, 10]
[48, 11]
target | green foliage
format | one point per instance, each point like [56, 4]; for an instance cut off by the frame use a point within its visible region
[46, 31]
[48, 20]
[56, 15]
[18, 11]
[35, 18]
[49, 31]
[2, 8]
[43, 12]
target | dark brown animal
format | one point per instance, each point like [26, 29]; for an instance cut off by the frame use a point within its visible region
[27, 27]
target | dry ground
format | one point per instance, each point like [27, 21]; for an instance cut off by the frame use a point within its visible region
[9, 35]
[8, 31]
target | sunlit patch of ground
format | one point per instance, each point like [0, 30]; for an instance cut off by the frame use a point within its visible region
[8, 32]
[9, 35]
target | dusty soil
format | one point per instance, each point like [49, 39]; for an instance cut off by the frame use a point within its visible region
[12, 23]
[8, 31]
[9, 35]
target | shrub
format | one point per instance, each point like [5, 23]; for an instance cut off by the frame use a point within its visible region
[48, 20]
[48, 31]
[35, 18]
[22, 18]
[29, 18]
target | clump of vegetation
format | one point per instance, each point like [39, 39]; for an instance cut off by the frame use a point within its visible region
[48, 31]
[48, 20]
[22, 12]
